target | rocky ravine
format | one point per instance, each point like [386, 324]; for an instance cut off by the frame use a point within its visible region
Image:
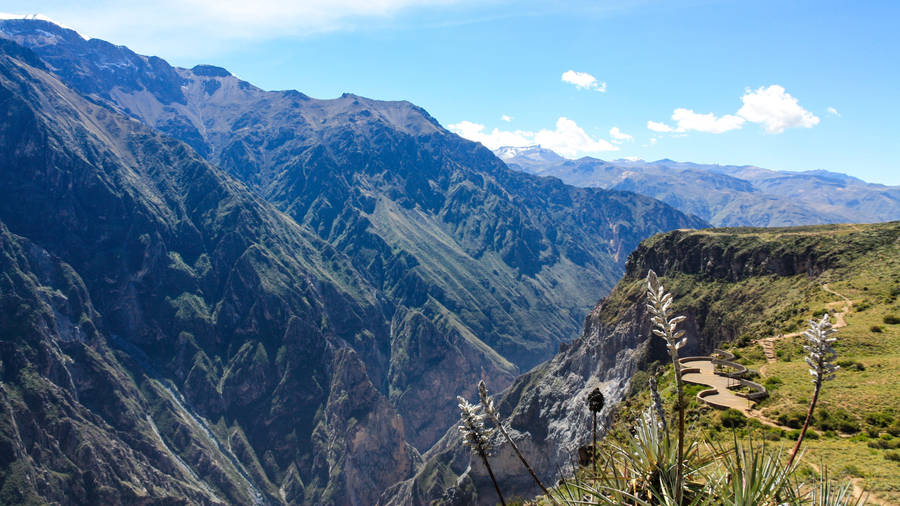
[254, 345]
[480, 271]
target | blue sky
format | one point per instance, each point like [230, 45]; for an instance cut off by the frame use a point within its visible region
[791, 85]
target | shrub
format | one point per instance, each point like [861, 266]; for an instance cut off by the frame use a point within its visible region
[876, 329]
[851, 365]
[852, 470]
[839, 420]
[732, 418]
[891, 319]
[793, 419]
[772, 382]
[879, 419]
[885, 444]
[810, 434]
[894, 456]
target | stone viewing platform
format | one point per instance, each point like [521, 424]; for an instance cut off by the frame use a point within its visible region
[722, 375]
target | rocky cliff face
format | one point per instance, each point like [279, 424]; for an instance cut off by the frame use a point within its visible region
[288, 330]
[214, 307]
[479, 271]
[547, 416]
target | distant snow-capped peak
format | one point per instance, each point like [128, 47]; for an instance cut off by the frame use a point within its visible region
[535, 153]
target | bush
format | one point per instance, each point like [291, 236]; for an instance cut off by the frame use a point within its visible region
[772, 382]
[891, 319]
[885, 444]
[894, 429]
[876, 329]
[793, 419]
[810, 434]
[839, 420]
[852, 470]
[879, 419]
[732, 419]
[851, 365]
[894, 456]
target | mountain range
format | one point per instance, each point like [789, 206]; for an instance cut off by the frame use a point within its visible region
[211, 293]
[724, 195]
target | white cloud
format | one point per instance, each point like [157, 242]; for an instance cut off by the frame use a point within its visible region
[568, 139]
[775, 109]
[656, 126]
[688, 120]
[494, 139]
[833, 112]
[506, 118]
[632, 158]
[619, 136]
[772, 107]
[583, 81]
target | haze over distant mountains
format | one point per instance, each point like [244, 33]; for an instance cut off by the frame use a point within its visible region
[724, 195]
[211, 293]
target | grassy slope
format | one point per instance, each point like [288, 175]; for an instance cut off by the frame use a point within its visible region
[861, 407]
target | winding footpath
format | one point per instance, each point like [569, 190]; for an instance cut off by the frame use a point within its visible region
[768, 343]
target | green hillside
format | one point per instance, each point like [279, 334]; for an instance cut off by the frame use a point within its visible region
[739, 287]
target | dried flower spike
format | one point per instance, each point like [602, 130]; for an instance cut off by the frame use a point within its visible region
[660, 303]
[820, 354]
[473, 431]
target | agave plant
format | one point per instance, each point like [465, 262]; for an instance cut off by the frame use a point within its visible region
[751, 475]
[826, 492]
[666, 328]
[643, 471]
[820, 358]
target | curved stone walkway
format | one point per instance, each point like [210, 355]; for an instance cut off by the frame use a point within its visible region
[719, 395]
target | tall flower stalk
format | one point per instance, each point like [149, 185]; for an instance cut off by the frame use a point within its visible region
[820, 357]
[665, 326]
[477, 437]
[595, 405]
[488, 404]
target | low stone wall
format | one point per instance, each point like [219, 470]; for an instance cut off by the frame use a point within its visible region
[758, 391]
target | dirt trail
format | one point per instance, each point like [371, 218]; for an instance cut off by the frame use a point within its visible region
[768, 343]
[768, 346]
